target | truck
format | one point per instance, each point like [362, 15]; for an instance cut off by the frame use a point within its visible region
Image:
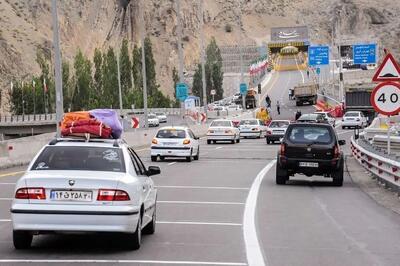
[306, 92]
[357, 98]
[250, 99]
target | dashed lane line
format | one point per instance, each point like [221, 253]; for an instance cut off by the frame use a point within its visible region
[217, 148]
[5, 220]
[172, 163]
[198, 223]
[199, 202]
[253, 250]
[12, 173]
[200, 187]
[109, 262]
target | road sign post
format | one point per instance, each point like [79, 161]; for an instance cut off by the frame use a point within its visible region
[318, 55]
[243, 92]
[181, 91]
[364, 53]
[135, 122]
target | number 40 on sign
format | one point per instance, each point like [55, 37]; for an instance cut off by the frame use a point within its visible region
[385, 98]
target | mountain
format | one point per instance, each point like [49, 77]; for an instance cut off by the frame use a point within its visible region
[87, 24]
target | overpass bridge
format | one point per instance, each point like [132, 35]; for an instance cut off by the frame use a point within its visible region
[17, 125]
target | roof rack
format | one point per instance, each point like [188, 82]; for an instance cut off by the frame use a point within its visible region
[115, 142]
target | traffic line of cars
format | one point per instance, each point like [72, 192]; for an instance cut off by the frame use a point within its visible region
[155, 119]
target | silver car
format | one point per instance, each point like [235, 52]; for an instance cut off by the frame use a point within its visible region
[79, 186]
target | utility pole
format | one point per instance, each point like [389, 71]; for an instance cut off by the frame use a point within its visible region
[180, 52]
[119, 85]
[241, 50]
[341, 91]
[57, 68]
[203, 70]
[142, 32]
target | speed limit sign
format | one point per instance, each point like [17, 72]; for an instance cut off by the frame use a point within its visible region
[385, 98]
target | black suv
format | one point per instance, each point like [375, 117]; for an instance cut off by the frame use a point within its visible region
[310, 149]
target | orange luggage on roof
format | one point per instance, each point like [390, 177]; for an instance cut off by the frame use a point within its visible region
[71, 117]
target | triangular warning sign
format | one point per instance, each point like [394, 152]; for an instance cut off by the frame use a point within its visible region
[389, 70]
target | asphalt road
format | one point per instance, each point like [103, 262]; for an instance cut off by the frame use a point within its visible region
[225, 209]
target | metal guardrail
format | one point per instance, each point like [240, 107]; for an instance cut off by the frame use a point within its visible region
[19, 119]
[387, 170]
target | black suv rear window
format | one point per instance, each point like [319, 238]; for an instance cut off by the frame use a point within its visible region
[309, 134]
[80, 158]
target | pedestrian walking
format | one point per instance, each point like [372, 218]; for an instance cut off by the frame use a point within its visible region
[298, 114]
[268, 101]
[278, 107]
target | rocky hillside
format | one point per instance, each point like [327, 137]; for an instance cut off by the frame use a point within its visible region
[87, 24]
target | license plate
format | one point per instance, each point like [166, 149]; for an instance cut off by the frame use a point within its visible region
[67, 195]
[308, 164]
[169, 143]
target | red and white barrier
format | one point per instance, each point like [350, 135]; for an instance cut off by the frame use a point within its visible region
[384, 168]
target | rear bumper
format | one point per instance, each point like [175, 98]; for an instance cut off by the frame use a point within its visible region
[31, 217]
[351, 123]
[324, 166]
[220, 137]
[171, 151]
[250, 133]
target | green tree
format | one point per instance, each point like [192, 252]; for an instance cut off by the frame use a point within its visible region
[98, 90]
[67, 86]
[137, 95]
[197, 86]
[45, 95]
[175, 78]
[83, 85]
[110, 80]
[125, 70]
[213, 67]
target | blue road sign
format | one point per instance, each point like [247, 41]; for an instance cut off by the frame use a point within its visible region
[181, 91]
[243, 88]
[318, 55]
[364, 53]
[318, 71]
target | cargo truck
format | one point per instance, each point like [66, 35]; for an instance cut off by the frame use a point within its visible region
[305, 93]
[357, 98]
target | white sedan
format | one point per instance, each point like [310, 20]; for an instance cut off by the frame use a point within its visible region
[162, 117]
[152, 120]
[328, 117]
[85, 186]
[252, 128]
[175, 142]
[276, 130]
[223, 130]
[354, 119]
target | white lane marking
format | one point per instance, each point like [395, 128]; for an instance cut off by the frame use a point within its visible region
[6, 199]
[145, 149]
[125, 261]
[217, 148]
[301, 72]
[5, 220]
[199, 223]
[172, 163]
[7, 184]
[199, 202]
[253, 250]
[200, 187]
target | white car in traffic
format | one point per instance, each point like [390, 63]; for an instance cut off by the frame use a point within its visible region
[252, 128]
[85, 186]
[276, 130]
[152, 120]
[162, 117]
[354, 119]
[223, 130]
[328, 117]
[175, 142]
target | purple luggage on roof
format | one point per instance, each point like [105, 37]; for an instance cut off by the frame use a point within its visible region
[110, 118]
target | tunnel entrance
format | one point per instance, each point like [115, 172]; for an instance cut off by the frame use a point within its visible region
[288, 48]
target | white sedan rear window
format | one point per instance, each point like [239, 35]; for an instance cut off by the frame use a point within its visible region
[80, 158]
[171, 134]
[220, 124]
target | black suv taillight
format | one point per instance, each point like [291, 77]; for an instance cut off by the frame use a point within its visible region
[283, 149]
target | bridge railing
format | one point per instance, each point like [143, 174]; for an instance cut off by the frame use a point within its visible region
[386, 169]
[11, 119]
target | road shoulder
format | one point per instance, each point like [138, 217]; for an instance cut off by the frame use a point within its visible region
[371, 186]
